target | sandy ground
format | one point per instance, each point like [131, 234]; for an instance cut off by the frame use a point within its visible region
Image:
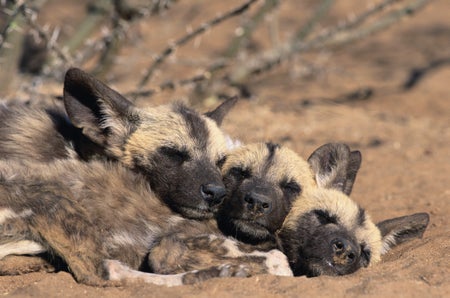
[403, 134]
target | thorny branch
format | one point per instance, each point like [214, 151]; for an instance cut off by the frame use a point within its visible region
[334, 36]
[17, 10]
[183, 40]
[246, 30]
[31, 16]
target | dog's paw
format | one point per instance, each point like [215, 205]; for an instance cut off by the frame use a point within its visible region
[277, 263]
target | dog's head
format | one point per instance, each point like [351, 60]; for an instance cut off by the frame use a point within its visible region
[262, 181]
[175, 147]
[327, 233]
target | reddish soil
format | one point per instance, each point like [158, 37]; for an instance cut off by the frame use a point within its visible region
[403, 134]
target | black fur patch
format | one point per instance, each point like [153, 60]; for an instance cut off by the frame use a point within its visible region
[324, 217]
[361, 216]
[272, 151]
[196, 125]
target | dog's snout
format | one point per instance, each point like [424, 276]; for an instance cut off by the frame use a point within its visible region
[213, 194]
[344, 252]
[258, 203]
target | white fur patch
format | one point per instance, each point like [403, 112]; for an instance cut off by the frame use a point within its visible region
[232, 143]
[5, 214]
[388, 242]
[120, 272]
[122, 239]
[276, 262]
[9, 214]
[23, 247]
[126, 238]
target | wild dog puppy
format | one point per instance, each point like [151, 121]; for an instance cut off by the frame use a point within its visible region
[92, 213]
[176, 148]
[329, 234]
[262, 181]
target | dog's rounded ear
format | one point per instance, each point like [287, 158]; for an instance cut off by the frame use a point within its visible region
[335, 166]
[401, 229]
[95, 108]
[222, 110]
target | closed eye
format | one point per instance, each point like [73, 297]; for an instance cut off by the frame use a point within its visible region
[366, 255]
[221, 161]
[291, 187]
[176, 155]
[324, 217]
[239, 173]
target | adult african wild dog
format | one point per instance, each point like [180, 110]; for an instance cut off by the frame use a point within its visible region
[176, 148]
[335, 226]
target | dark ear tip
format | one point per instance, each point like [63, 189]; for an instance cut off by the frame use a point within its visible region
[73, 72]
[233, 100]
[219, 113]
[423, 217]
[356, 157]
[356, 153]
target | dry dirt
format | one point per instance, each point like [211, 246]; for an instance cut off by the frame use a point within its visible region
[403, 134]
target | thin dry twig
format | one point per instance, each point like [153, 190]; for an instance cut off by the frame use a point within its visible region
[16, 11]
[183, 40]
[245, 31]
[331, 37]
[305, 30]
[31, 16]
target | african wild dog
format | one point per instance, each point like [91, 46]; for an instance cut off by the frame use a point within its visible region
[262, 181]
[327, 233]
[176, 148]
[324, 233]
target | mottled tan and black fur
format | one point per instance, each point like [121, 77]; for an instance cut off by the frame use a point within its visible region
[175, 147]
[91, 213]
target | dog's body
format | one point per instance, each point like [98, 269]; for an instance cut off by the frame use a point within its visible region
[88, 213]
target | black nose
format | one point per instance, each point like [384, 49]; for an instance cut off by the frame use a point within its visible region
[213, 193]
[258, 203]
[344, 252]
